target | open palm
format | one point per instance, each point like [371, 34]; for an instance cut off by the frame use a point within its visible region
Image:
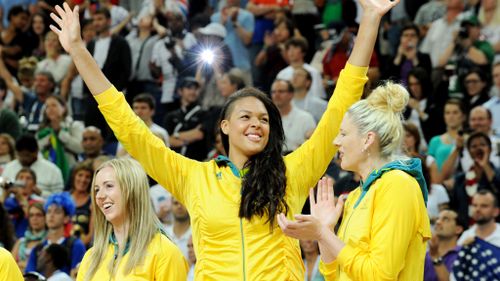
[323, 207]
[380, 7]
[68, 29]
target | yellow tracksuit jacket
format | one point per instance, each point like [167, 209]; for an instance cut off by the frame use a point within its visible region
[385, 234]
[227, 247]
[163, 262]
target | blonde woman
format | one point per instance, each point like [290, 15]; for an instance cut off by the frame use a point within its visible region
[385, 224]
[128, 241]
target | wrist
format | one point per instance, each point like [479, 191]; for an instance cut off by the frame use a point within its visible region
[324, 233]
[437, 261]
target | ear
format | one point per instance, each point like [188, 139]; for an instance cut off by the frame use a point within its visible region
[369, 140]
[224, 127]
[67, 219]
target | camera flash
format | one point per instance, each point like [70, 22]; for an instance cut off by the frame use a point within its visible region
[207, 56]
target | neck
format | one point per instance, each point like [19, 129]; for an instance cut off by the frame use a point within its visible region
[284, 110]
[446, 245]
[485, 230]
[144, 32]
[37, 231]
[53, 55]
[121, 234]
[49, 270]
[80, 193]
[184, 104]
[148, 122]
[297, 63]
[181, 226]
[300, 93]
[104, 34]
[311, 257]
[239, 160]
[55, 234]
[370, 165]
[453, 132]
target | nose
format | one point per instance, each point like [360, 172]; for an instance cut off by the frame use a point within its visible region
[100, 194]
[336, 141]
[255, 122]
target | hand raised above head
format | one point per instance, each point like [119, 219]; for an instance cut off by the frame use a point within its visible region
[68, 29]
[379, 7]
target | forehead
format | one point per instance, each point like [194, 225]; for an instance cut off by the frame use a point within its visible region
[448, 214]
[90, 133]
[140, 104]
[280, 84]
[106, 173]
[249, 104]
[478, 114]
[482, 199]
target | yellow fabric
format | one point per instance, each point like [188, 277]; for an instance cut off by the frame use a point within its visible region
[9, 271]
[227, 247]
[385, 235]
[162, 262]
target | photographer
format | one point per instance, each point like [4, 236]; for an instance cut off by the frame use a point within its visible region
[167, 55]
[467, 49]
[482, 175]
[17, 197]
[408, 57]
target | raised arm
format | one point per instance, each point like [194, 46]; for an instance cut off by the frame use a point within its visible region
[313, 157]
[72, 42]
[165, 166]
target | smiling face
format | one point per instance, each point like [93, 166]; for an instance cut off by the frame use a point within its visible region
[53, 109]
[247, 127]
[108, 196]
[82, 180]
[350, 143]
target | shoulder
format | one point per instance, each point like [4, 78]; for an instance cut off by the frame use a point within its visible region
[162, 246]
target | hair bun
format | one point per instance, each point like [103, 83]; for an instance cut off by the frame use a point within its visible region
[389, 97]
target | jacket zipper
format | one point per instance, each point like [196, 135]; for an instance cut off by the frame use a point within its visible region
[243, 249]
[345, 230]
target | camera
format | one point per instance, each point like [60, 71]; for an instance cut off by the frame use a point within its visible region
[463, 32]
[6, 184]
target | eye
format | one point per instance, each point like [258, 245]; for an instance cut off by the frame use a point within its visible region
[265, 120]
[244, 117]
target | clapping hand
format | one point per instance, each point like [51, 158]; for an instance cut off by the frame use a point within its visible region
[325, 213]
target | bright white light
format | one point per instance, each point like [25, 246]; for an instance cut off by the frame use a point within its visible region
[207, 56]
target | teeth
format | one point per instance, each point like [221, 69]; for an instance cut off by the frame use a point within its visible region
[107, 205]
[254, 137]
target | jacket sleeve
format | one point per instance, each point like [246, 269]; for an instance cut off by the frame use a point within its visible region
[329, 270]
[395, 218]
[308, 163]
[168, 168]
[72, 136]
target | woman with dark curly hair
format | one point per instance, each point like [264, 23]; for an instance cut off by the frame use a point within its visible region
[233, 201]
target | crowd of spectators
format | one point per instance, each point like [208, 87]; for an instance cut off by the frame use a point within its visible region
[177, 61]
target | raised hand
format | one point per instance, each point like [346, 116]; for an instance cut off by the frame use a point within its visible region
[379, 7]
[68, 22]
[325, 214]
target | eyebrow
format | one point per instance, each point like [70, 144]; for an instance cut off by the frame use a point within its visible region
[247, 111]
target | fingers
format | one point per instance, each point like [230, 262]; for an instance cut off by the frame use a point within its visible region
[56, 19]
[312, 200]
[55, 30]
[329, 185]
[340, 204]
[324, 189]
